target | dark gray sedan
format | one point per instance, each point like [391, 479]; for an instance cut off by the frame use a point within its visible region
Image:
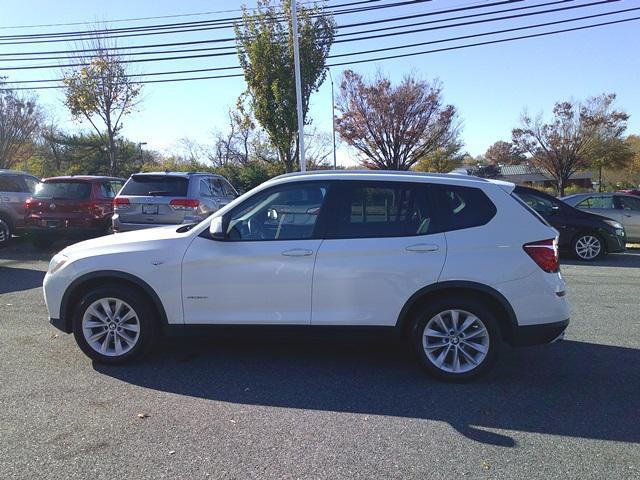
[620, 207]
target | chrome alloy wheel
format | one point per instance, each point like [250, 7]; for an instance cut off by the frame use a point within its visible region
[5, 232]
[588, 247]
[111, 327]
[455, 341]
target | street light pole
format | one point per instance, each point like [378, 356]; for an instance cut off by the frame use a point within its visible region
[333, 120]
[296, 65]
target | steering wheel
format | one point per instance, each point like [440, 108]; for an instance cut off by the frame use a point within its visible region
[255, 226]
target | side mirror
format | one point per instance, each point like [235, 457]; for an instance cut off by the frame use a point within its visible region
[217, 228]
[555, 209]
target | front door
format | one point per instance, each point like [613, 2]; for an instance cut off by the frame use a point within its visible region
[382, 245]
[262, 273]
[630, 215]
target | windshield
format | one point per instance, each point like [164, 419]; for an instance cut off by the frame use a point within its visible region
[63, 190]
[155, 186]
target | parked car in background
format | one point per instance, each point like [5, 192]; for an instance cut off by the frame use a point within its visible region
[633, 191]
[584, 235]
[454, 264]
[74, 206]
[620, 207]
[15, 188]
[157, 199]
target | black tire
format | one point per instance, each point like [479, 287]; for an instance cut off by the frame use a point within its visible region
[42, 242]
[486, 318]
[147, 324]
[579, 251]
[6, 231]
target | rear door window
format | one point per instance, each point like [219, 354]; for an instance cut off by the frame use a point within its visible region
[63, 190]
[380, 209]
[628, 203]
[156, 186]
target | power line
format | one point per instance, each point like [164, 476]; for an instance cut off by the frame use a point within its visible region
[403, 55]
[340, 27]
[368, 37]
[215, 26]
[200, 42]
[159, 17]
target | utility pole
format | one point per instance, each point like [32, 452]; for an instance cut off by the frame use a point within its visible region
[333, 119]
[296, 64]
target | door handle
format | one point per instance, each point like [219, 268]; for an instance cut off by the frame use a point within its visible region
[297, 252]
[422, 247]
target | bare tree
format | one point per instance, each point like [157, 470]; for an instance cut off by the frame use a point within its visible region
[572, 140]
[100, 89]
[394, 127]
[19, 120]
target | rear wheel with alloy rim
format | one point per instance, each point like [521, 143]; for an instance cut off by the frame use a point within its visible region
[456, 339]
[5, 232]
[588, 247]
[113, 325]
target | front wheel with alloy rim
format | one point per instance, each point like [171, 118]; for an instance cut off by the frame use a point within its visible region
[114, 325]
[456, 339]
[5, 232]
[587, 246]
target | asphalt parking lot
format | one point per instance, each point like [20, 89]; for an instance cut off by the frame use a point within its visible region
[310, 408]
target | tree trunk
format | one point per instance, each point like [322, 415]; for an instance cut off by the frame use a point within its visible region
[600, 178]
[113, 166]
[561, 185]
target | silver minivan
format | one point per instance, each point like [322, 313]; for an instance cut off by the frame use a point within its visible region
[156, 199]
[15, 188]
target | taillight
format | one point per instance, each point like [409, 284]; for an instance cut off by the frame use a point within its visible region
[545, 254]
[120, 202]
[28, 203]
[184, 203]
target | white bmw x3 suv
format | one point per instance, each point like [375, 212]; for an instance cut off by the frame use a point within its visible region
[456, 264]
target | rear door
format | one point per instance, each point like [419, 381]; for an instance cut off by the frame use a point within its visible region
[150, 199]
[630, 209]
[381, 246]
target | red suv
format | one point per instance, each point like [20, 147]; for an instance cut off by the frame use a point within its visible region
[72, 206]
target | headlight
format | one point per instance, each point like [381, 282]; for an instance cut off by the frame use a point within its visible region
[56, 263]
[614, 224]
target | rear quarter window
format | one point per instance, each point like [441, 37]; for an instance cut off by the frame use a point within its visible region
[462, 207]
[155, 186]
[10, 183]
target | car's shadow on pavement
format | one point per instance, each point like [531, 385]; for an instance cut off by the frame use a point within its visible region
[18, 279]
[570, 388]
[631, 258]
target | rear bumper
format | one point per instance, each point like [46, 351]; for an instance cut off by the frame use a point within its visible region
[527, 335]
[128, 227]
[64, 232]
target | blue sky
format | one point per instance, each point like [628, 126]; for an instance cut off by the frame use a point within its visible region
[490, 85]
